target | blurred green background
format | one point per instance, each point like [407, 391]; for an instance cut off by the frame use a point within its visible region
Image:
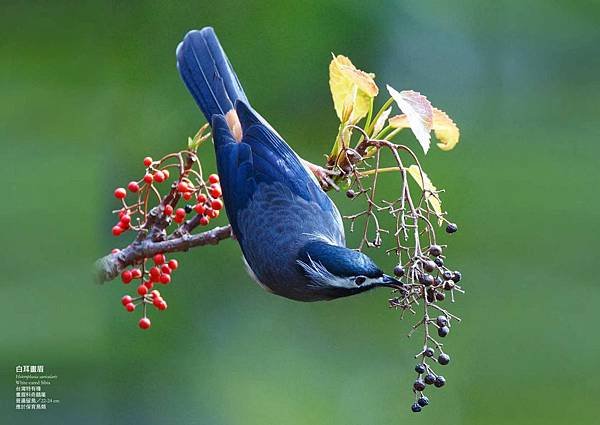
[87, 89]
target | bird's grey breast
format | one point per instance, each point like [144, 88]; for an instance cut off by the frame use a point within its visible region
[275, 224]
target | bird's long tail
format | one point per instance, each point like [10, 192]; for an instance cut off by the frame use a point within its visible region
[208, 74]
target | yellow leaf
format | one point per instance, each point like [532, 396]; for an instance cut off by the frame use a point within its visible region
[419, 114]
[445, 130]
[351, 89]
[399, 121]
[429, 189]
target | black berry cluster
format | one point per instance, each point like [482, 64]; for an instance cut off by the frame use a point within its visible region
[427, 282]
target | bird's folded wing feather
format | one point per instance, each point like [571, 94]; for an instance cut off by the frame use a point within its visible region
[262, 157]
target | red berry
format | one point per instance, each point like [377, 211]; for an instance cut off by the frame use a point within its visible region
[155, 293]
[199, 208]
[165, 269]
[182, 187]
[148, 284]
[168, 210]
[123, 212]
[159, 259]
[133, 187]
[179, 219]
[215, 192]
[179, 212]
[126, 276]
[213, 178]
[166, 174]
[117, 230]
[212, 213]
[154, 273]
[173, 264]
[165, 278]
[144, 323]
[148, 178]
[124, 221]
[142, 290]
[126, 299]
[136, 273]
[120, 193]
[147, 161]
[204, 220]
[201, 198]
[216, 204]
[162, 305]
[130, 307]
[187, 196]
[159, 177]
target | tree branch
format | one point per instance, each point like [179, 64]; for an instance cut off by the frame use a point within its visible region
[107, 268]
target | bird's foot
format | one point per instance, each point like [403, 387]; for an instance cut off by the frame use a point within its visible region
[323, 176]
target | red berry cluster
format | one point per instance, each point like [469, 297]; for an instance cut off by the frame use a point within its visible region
[160, 272]
[208, 203]
[139, 215]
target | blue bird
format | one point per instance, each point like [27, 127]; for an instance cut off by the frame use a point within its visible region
[290, 232]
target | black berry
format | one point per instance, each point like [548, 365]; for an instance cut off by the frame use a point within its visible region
[448, 285]
[423, 401]
[415, 408]
[456, 276]
[447, 275]
[435, 250]
[441, 321]
[451, 228]
[426, 279]
[398, 271]
[188, 208]
[419, 385]
[439, 261]
[350, 193]
[420, 368]
[428, 352]
[443, 331]
[428, 266]
[430, 295]
[440, 381]
[429, 379]
[440, 296]
[444, 359]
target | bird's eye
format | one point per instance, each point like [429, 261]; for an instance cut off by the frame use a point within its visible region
[359, 280]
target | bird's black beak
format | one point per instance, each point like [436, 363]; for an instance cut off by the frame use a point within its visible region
[390, 282]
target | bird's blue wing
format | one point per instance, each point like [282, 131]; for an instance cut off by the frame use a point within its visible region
[236, 170]
[274, 161]
[261, 158]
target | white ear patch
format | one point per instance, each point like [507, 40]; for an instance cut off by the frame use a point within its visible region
[320, 276]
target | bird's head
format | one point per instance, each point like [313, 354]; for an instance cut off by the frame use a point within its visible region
[336, 271]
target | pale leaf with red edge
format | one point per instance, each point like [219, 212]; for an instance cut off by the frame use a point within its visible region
[419, 114]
